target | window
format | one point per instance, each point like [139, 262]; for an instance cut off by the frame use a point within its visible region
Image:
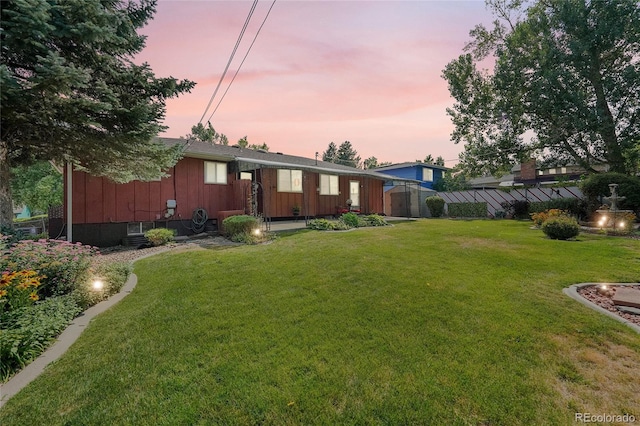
[427, 174]
[563, 170]
[289, 180]
[136, 228]
[246, 176]
[215, 172]
[328, 185]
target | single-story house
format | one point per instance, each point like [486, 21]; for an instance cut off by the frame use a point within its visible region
[212, 182]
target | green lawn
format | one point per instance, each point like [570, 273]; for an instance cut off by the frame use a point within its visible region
[430, 322]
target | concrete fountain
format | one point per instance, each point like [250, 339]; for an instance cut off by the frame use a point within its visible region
[611, 216]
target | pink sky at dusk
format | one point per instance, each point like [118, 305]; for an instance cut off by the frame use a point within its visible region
[320, 71]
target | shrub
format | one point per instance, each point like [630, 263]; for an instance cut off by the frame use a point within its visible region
[160, 236]
[239, 224]
[541, 217]
[561, 228]
[113, 277]
[320, 225]
[350, 219]
[340, 225]
[573, 206]
[500, 214]
[26, 332]
[435, 205]
[467, 209]
[60, 263]
[375, 220]
[18, 289]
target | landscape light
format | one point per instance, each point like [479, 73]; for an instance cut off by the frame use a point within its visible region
[256, 232]
[621, 224]
[602, 221]
[97, 285]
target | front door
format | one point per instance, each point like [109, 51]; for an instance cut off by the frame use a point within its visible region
[354, 193]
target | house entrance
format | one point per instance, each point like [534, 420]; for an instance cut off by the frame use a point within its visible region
[354, 193]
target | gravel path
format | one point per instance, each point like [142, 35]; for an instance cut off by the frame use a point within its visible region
[129, 254]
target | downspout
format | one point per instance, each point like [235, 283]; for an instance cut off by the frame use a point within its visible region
[69, 202]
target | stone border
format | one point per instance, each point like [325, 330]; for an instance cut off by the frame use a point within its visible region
[65, 339]
[572, 292]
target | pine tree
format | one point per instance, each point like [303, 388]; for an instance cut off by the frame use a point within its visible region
[70, 91]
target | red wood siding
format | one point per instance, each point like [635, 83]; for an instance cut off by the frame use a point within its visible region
[99, 200]
[279, 204]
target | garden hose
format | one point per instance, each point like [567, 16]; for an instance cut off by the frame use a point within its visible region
[199, 219]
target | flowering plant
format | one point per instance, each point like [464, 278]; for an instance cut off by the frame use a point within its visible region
[18, 289]
[60, 264]
[541, 217]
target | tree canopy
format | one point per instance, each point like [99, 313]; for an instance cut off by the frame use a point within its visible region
[565, 87]
[37, 186]
[207, 134]
[70, 91]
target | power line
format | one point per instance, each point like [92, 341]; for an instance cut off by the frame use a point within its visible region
[243, 59]
[246, 24]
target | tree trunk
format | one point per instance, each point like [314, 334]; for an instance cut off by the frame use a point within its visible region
[6, 204]
[607, 122]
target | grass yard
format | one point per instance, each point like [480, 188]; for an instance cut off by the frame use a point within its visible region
[430, 322]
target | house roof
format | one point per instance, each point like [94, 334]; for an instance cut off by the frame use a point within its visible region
[209, 151]
[408, 164]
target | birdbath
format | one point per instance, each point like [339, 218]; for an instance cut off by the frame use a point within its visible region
[611, 213]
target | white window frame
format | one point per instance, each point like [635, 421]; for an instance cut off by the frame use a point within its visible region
[429, 174]
[289, 180]
[215, 172]
[329, 185]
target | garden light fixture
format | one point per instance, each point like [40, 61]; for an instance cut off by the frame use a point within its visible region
[97, 285]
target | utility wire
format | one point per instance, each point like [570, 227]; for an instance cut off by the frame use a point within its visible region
[246, 24]
[243, 59]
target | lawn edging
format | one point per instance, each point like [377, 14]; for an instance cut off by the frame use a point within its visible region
[572, 292]
[62, 342]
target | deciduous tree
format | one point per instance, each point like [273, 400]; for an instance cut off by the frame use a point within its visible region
[71, 92]
[565, 86]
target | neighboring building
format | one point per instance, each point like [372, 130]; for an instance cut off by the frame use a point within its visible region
[22, 212]
[218, 181]
[407, 197]
[427, 174]
[530, 174]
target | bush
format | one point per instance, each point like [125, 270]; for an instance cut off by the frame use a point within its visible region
[561, 228]
[350, 219]
[26, 332]
[573, 206]
[160, 236]
[596, 186]
[113, 277]
[468, 210]
[239, 224]
[435, 205]
[375, 220]
[541, 217]
[62, 264]
[500, 214]
[320, 225]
